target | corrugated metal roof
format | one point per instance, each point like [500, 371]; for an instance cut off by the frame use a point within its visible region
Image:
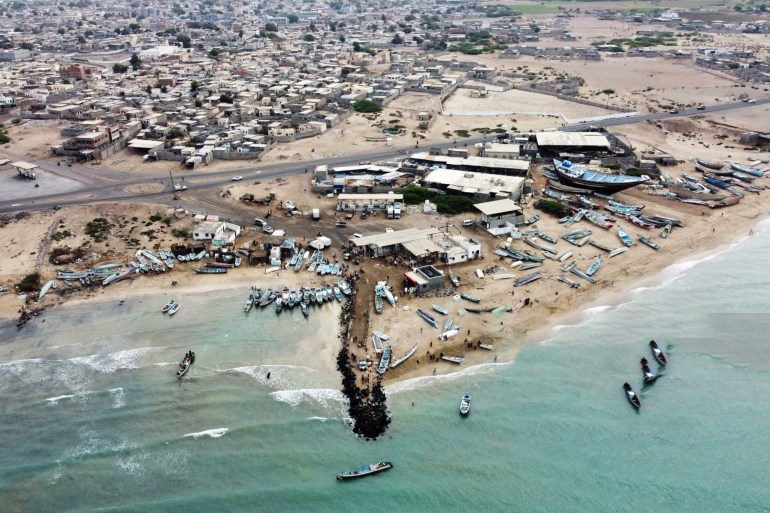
[488, 162]
[572, 139]
[472, 182]
[397, 237]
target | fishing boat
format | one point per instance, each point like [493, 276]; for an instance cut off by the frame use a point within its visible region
[529, 266]
[267, 298]
[666, 231]
[377, 303]
[617, 251]
[365, 471]
[185, 364]
[292, 299]
[709, 164]
[51, 284]
[572, 283]
[337, 293]
[598, 219]
[568, 267]
[581, 176]
[744, 169]
[278, 304]
[395, 363]
[648, 242]
[658, 353]
[470, 298]
[454, 279]
[385, 360]
[210, 270]
[249, 303]
[632, 397]
[174, 309]
[578, 272]
[599, 245]
[647, 375]
[218, 265]
[454, 359]
[488, 347]
[564, 256]
[624, 237]
[505, 276]
[168, 306]
[527, 279]
[440, 310]
[532, 220]
[594, 267]
[344, 287]
[427, 318]
[465, 405]
[303, 307]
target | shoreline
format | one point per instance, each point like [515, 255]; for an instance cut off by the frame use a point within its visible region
[509, 339]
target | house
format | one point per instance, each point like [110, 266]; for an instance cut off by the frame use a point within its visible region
[425, 278]
[220, 233]
[500, 216]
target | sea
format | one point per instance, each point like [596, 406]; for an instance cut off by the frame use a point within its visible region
[93, 418]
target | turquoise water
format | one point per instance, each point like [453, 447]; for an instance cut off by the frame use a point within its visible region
[93, 419]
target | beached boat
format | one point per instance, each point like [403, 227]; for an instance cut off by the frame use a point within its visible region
[527, 279]
[470, 298]
[647, 375]
[448, 334]
[578, 272]
[249, 303]
[344, 287]
[51, 284]
[210, 270]
[488, 347]
[568, 267]
[454, 279]
[532, 220]
[648, 242]
[303, 307]
[365, 471]
[632, 397]
[454, 359]
[572, 283]
[218, 265]
[337, 293]
[594, 267]
[278, 304]
[529, 266]
[442, 311]
[505, 276]
[174, 308]
[599, 245]
[598, 219]
[624, 237]
[427, 318]
[581, 176]
[377, 302]
[385, 360]
[744, 169]
[447, 325]
[658, 353]
[168, 306]
[666, 231]
[395, 363]
[709, 164]
[185, 364]
[617, 251]
[564, 256]
[465, 405]
[267, 298]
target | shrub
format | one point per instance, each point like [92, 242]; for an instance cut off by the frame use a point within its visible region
[98, 229]
[30, 283]
[367, 107]
[553, 207]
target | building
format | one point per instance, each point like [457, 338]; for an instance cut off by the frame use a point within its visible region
[424, 279]
[501, 216]
[556, 144]
[219, 233]
[477, 164]
[481, 186]
[383, 244]
[500, 151]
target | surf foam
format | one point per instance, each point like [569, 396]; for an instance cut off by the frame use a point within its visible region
[211, 433]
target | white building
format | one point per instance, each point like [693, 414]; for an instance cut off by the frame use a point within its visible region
[219, 233]
[500, 216]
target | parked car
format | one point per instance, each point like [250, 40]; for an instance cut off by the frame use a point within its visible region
[701, 107]
[357, 236]
[751, 100]
[674, 111]
[467, 222]
[180, 187]
[259, 222]
[237, 178]
[267, 229]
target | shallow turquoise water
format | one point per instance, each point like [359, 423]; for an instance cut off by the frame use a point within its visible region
[94, 421]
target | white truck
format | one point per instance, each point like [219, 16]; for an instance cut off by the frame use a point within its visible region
[397, 211]
[389, 212]
[316, 214]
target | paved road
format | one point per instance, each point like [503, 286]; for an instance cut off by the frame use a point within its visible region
[115, 190]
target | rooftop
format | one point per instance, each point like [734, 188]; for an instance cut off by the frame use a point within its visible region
[502, 206]
[397, 237]
[592, 139]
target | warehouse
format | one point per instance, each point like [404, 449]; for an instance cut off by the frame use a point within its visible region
[475, 164]
[480, 186]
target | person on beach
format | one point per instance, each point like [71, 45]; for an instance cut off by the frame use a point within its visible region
[495, 357]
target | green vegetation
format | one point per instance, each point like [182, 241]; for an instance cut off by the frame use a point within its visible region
[367, 107]
[119, 68]
[98, 229]
[552, 207]
[30, 283]
[358, 48]
[462, 133]
[445, 203]
[4, 138]
[665, 39]
[447, 134]
[478, 42]
[61, 235]
[181, 233]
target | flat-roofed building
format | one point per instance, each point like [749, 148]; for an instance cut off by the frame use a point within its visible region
[476, 164]
[477, 185]
[425, 278]
[500, 216]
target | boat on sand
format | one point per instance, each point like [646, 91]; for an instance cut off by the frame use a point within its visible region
[168, 306]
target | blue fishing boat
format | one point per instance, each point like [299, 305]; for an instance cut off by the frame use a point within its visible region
[744, 169]
[581, 176]
[427, 318]
[624, 237]
[440, 310]
[385, 360]
[594, 267]
[470, 298]
[568, 267]
[365, 471]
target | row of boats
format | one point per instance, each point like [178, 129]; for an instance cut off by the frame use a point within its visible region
[648, 377]
[303, 297]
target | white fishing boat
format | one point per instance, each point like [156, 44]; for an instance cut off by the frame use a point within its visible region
[465, 405]
[385, 360]
[488, 347]
[617, 251]
[48, 286]
[174, 309]
[503, 276]
[448, 334]
[272, 269]
[479, 273]
[454, 359]
[395, 363]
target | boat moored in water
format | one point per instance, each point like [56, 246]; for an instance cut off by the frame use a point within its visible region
[185, 364]
[647, 375]
[465, 405]
[632, 396]
[368, 470]
[658, 353]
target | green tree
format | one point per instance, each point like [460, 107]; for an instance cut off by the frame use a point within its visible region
[367, 106]
[119, 68]
[184, 39]
[271, 27]
[293, 18]
[194, 85]
[397, 40]
[135, 61]
[309, 37]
